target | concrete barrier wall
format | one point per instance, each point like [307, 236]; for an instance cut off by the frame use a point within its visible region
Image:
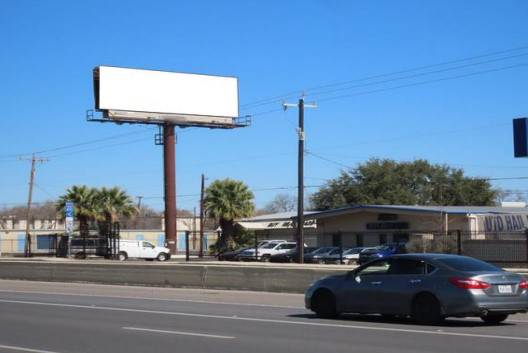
[271, 279]
[263, 278]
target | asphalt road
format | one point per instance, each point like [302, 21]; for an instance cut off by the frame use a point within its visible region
[63, 318]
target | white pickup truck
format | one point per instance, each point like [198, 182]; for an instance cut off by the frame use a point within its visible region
[142, 250]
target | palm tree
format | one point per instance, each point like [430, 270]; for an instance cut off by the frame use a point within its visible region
[114, 202]
[228, 200]
[84, 207]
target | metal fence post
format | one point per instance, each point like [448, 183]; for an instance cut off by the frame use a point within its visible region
[459, 243]
[187, 233]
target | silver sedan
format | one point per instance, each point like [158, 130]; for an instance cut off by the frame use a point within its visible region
[426, 287]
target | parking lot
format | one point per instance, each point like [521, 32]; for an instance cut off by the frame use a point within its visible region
[60, 318]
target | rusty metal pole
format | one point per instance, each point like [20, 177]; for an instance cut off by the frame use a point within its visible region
[200, 253]
[169, 170]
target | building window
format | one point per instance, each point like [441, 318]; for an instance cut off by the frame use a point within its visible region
[359, 240]
[336, 239]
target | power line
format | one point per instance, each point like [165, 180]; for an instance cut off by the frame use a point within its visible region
[405, 85]
[101, 147]
[278, 98]
[424, 82]
[416, 75]
[76, 145]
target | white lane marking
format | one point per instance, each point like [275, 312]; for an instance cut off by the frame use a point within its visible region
[13, 348]
[160, 299]
[287, 322]
[178, 332]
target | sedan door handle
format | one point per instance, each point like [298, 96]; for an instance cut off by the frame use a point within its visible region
[412, 281]
[376, 283]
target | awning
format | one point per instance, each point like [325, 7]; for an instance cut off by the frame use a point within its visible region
[252, 225]
[286, 224]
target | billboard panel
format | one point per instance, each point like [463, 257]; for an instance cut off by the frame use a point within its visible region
[148, 91]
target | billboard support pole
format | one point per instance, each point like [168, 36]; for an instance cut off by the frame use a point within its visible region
[169, 170]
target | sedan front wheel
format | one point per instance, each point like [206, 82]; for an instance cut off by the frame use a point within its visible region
[324, 304]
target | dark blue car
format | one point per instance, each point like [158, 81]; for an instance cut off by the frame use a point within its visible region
[381, 251]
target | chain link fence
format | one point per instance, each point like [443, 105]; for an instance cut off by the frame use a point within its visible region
[502, 249]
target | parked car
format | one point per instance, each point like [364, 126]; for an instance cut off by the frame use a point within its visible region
[316, 257]
[350, 256]
[265, 252]
[426, 287]
[231, 255]
[291, 255]
[142, 250]
[381, 251]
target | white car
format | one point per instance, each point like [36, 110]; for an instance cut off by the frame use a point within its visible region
[142, 250]
[350, 256]
[264, 252]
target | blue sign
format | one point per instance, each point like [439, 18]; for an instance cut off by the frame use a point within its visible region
[69, 209]
[520, 137]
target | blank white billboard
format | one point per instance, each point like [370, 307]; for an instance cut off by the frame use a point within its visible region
[148, 91]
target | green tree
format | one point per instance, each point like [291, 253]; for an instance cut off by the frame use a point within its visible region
[228, 200]
[84, 205]
[387, 182]
[113, 203]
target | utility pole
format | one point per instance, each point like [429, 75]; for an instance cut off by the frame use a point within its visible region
[200, 252]
[33, 159]
[300, 181]
[139, 211]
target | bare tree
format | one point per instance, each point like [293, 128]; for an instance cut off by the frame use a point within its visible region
[282, 203]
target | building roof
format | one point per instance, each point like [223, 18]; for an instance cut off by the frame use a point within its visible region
[475, 210]
[421, 209]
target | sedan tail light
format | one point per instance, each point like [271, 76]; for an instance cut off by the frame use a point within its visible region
[469, 283]
[523, 284]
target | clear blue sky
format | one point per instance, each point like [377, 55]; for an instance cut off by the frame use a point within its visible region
[49, 49]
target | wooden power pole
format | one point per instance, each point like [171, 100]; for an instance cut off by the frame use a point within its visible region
[33, 159]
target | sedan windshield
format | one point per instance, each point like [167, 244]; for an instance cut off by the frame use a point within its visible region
[321, 251]
[269, 246]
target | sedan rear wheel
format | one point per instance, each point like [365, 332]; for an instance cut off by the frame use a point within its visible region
[352, 262]
[426, 310]
[494, 319]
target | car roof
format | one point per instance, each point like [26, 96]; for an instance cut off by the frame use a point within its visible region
[427, 256]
